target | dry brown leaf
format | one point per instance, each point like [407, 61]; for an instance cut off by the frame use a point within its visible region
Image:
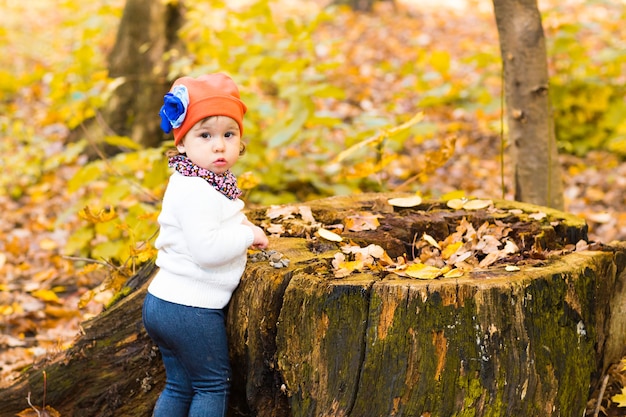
[490, 259]
[581, 245]
[362, 221]
[35, 411]
[306, 214]
[275, 229]
[488, 244]
[510, 247]
[538, 216]
[286, 212]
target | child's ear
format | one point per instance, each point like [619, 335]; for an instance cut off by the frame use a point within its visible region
[181, 147]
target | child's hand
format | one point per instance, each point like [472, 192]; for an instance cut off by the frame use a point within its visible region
[260, 240]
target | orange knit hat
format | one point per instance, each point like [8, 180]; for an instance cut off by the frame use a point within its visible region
[193, 99]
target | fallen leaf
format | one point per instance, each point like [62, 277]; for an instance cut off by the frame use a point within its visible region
[450, 250]
[456, 203]
[477, 204]
[421, 271]
[328, 235]
[620, 399]
[48, 244]
[581, 245]
[45, 295]
[599, 217]
[490, 259]
[412, 201]
[510, 247]
[101, 216]
[36, 411]
[538, 216]
[362, 221]
[511, 268]
[286, 212]
[306, 214]
[275, 229]
[488, 244]
[431, 240]
[453, 273]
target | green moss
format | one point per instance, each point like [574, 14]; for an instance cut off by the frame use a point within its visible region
[562, 350]
[118, 296]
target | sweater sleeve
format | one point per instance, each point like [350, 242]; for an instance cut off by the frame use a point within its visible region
[211, 226]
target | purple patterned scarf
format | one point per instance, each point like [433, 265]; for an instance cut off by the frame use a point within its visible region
[225, 183]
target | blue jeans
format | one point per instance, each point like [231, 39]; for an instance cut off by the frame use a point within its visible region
[194, 349]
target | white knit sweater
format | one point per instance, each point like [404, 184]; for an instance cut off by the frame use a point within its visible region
[201, 244]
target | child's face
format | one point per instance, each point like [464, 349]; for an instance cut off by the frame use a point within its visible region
[213, 143]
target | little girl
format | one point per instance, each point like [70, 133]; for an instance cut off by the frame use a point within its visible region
[201, 245]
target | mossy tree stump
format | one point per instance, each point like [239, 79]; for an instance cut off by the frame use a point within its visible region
[491, 343]
[532, 342]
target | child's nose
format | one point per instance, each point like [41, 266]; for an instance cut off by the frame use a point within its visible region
[218, 144]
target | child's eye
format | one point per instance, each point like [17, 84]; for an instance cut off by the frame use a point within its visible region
[229, 134]
[205, 135]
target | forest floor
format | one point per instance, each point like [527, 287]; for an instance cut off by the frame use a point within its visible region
[38, 319]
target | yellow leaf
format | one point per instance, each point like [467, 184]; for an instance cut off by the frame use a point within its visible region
[620, 399]
[248, 180]
[422, 271]
[450, 250]
[36, 411]
[122, 142]
[45, 295]
[328, 235]
[104, 215]
[412, 201]
[453, 273]
[48, 244]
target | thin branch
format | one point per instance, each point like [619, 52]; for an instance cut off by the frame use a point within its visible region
[605, 381]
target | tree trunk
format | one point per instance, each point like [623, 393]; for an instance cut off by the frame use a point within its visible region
[147, 31]
[529, 115]
[360, 5]
[303, 343]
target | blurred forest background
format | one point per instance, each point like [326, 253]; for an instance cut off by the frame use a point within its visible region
[326, 88]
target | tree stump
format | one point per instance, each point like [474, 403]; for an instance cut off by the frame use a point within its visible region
[491, 342]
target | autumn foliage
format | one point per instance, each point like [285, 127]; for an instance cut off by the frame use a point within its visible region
[340, 102]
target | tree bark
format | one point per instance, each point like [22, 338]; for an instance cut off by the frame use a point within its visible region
[146, 34]
[303, 343]
[360, 5]
[537, 172]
